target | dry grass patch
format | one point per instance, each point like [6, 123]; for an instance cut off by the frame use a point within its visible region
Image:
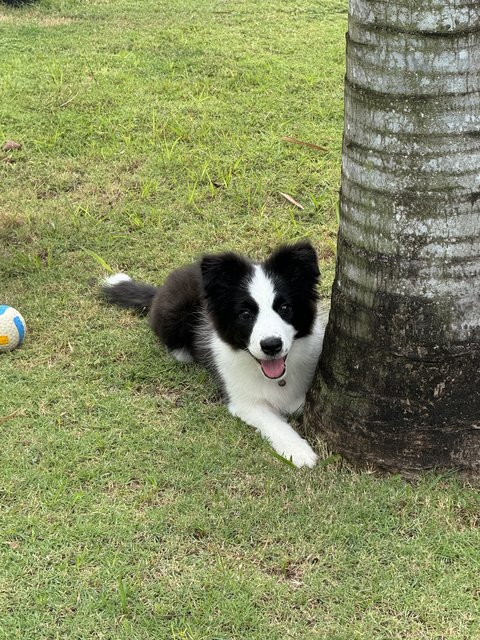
[26, 18]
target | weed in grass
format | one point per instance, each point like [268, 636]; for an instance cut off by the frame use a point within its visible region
[98, 259]
[122, 591]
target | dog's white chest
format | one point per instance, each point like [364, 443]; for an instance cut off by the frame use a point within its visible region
[246, 385]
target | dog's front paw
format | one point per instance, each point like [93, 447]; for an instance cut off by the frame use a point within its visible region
[299, 452]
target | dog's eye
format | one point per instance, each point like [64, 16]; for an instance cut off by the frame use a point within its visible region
[285, 308]
[245, 314]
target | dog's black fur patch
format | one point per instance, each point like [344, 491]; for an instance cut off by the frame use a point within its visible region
[225, 280]
[178, 308]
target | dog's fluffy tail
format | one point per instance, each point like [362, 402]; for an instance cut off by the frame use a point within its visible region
[121, 290]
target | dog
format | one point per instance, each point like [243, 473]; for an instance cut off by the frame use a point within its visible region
[258, 327]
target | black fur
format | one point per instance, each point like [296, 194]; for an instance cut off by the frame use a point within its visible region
[178, 308]
[295, 273]
[130, 294]
[225, 280]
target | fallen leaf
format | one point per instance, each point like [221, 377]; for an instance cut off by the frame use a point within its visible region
[11, 145]
[291, 200]
[310, 145]
[67, 102]
[13, 545]
[10, 416]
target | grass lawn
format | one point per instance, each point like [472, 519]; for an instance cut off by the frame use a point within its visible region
[132, 505]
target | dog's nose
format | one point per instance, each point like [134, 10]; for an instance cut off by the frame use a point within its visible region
[271, 346]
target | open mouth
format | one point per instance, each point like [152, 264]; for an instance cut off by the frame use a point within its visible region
[274, 368]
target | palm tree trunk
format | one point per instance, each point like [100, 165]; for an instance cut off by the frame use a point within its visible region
[398, 385]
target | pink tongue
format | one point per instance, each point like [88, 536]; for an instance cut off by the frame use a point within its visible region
[273, 368]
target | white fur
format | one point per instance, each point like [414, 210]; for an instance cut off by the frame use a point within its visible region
[261, 402]
[111, 281]
[268, 323]
[182, 355]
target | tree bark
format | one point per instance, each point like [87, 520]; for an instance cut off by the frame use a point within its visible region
[398, 385]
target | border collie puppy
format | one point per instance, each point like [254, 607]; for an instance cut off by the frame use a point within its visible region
[257, 327]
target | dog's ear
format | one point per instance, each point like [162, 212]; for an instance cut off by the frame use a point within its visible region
[222, 272]
[296, 262]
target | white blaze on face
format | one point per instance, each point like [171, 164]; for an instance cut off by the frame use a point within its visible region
[268, 323]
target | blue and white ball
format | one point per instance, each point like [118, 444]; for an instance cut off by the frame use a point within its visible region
[12, 328]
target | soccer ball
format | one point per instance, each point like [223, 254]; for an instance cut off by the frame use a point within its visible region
[12, 328]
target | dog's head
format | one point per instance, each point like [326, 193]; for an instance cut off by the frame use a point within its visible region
[263, 308]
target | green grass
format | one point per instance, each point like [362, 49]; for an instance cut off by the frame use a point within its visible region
[131, 504]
